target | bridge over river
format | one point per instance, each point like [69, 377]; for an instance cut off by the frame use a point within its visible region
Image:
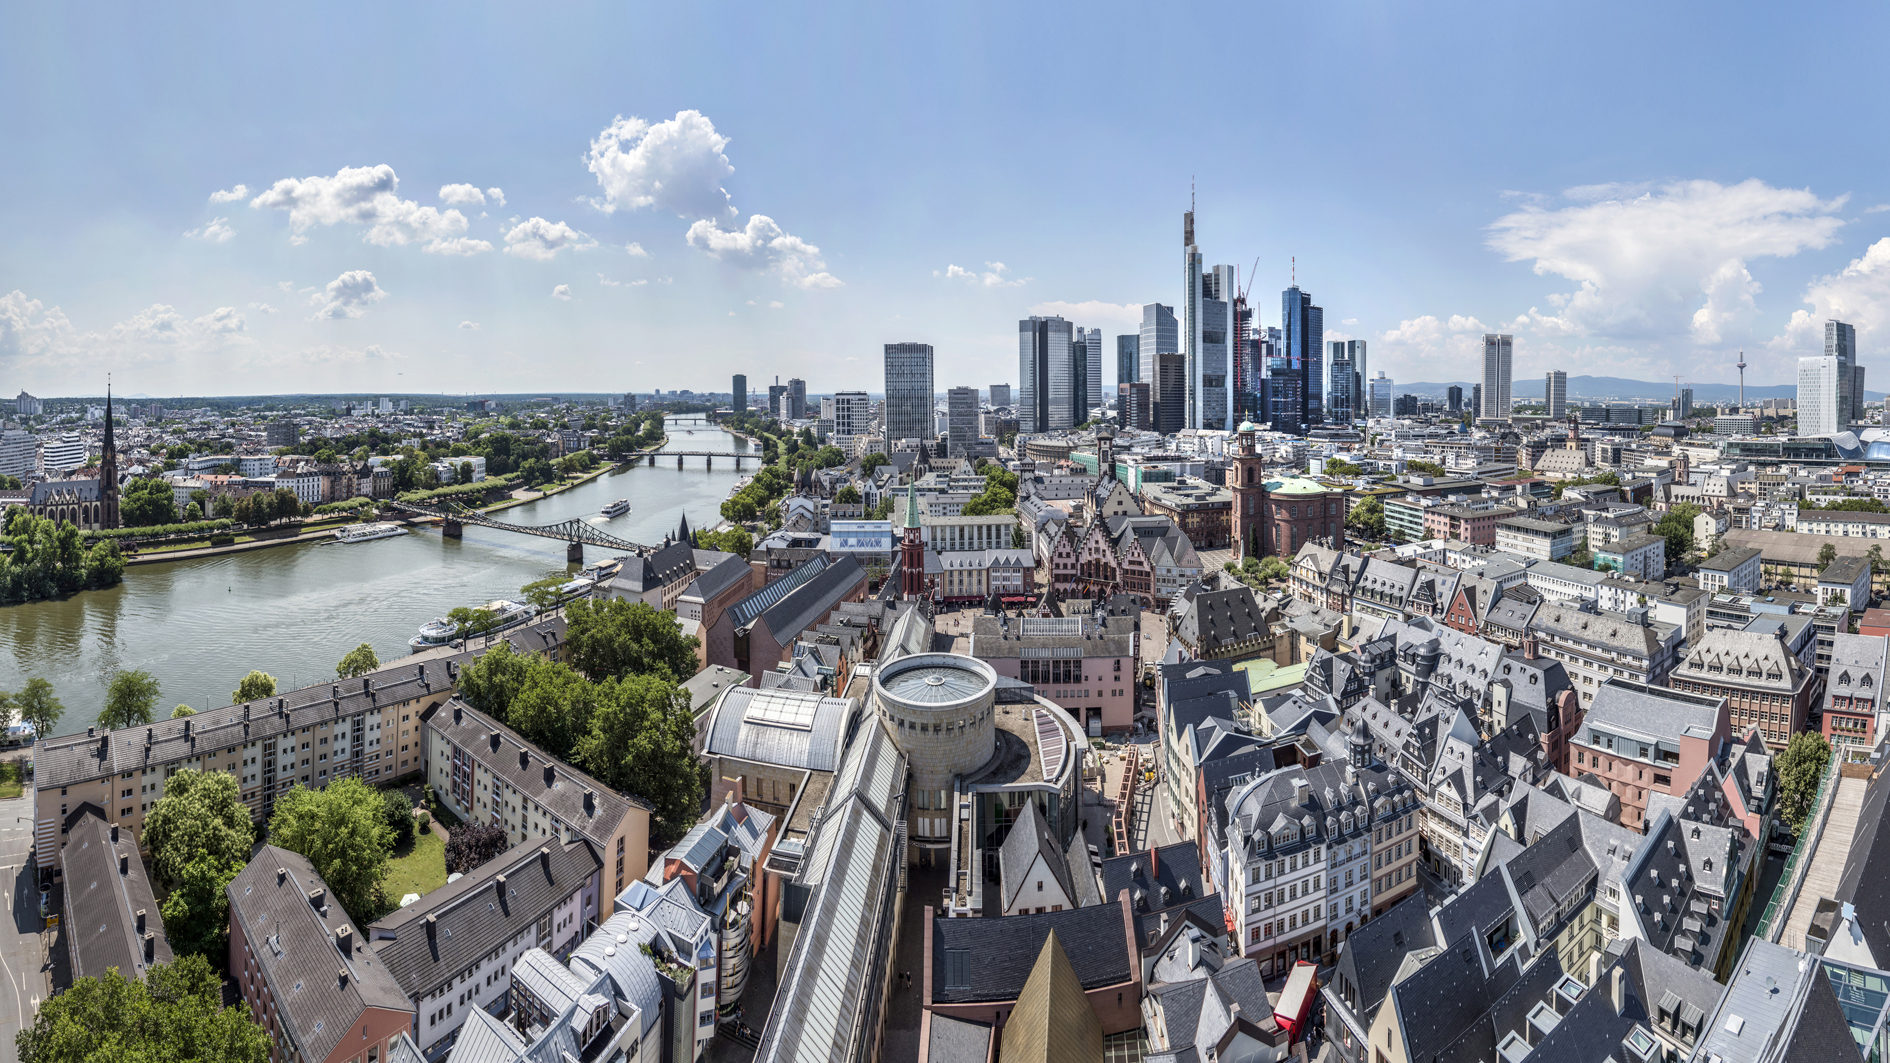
[577, 532]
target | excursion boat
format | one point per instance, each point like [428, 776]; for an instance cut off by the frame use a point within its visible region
[360, 533]
[440, 631]
[617, 508]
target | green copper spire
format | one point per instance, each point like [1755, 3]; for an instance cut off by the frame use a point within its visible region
[911, 518]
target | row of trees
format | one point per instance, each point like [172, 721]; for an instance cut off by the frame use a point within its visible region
[757, 497]
[52, 557]
[146, 503]
[616, 710]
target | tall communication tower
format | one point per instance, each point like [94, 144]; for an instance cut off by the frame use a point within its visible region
[1742, 378]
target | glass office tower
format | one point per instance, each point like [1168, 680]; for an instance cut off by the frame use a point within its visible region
[908, 391]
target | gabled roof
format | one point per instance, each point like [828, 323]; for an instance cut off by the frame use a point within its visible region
[1865, 883]
[1030, 838]
[975, 960]
[103, 904]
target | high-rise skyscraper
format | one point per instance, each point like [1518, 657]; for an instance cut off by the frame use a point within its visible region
[1000, 394]
[1303, 332]
[738, 398]
[1191, 317]
[1476, 399]
[1840, 342]
[1821, 395]
[1134, 407]
[797, 398]
[1555, 394]
[852, 416]
[1052, 371]
[1218, 343]
[775, 391]
[1282, 387]
[1128, 359]
[1161, 334]
[1454, 398]
[1091, 343]
[1496, 365]
[1341, 399]
[1169, 393]
[961, 420]
[908, 391]
[1381, 395]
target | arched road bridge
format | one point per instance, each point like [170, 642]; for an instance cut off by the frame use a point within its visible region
[453, 520]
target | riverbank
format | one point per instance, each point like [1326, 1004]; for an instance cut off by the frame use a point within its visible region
[241, 546]
[524, 495]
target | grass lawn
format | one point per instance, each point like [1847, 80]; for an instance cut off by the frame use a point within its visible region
[11, 784]
[420, 866]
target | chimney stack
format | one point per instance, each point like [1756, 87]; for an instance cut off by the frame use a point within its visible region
[551, 775]
[1617, 989]
[114, 834]
[282, 875]
[141, 920]
[150, 946]
[344, 940]
[317, 898]
[124, 864]
[341, 979]
[590, 801]
[499, 884]
[544, 859]
[1154, 863]
[492, 738]
[524, 760]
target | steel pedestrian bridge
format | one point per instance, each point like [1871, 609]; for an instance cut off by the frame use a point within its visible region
[577, 532]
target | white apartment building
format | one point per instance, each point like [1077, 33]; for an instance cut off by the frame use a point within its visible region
[852, 417]
[1820, 393]
[19, 453]
[63, 454]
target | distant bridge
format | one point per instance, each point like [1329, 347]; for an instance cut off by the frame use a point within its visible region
[708, 456]
[453, 520]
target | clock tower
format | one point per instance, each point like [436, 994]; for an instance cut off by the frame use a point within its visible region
[1247, 480]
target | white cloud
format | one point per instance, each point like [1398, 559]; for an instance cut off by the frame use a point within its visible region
[29, 329]
[762, 245]
[1127, 316]
[348, 295]
[470, 326]
[541, 240]
[462, 196]
[233, 195]
[641, 283]
[562, 291]
[992, 277]
[776, 305]
[636, 250]
[731, 313]
[367, 196]
[41, 337]
[1878, 209]
[1662, 264]
[607, 282]
[264, 308]
[1858, 294]
[217, 232]
[322, 355]
[497, 196]
[287, 286]
[676, 166]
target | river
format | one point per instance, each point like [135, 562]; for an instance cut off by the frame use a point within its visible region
[199, 626]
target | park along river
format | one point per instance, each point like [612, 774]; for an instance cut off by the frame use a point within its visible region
[199, 626]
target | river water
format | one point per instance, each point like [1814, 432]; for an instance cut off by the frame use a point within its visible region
[199, 626]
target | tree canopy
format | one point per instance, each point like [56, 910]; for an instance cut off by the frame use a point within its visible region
[1677, 528]
[255, 686]
[639, 742]
[197, 912]
[201, 814]
[617, 637]
[130, 700]
[473, 844]
[1798, 769]
[735, 541]
[174, 1013]
[38, 707]
[341, 829]
[357, 662]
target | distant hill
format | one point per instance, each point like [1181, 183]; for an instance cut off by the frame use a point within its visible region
[1619, 389]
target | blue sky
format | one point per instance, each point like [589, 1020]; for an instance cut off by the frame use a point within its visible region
[239, 200]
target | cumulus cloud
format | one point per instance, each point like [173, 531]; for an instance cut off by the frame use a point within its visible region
[497, 196]
[462, 196]
[541, 240]
[323, 355]
[217, 232]
[1127, 316]
[470, 326]
[368, 196]
[992, 277]
[562, 291]
[636, 250]
[33, 334]
[240, 192]
[763, 245]
[263, 308]
[776, 305]
[348, 295]
[1858, 294]
[677, 166]
[1456, 340]
[1662, 263]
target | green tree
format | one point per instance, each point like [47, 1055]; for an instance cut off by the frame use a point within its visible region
[255, 686]
[130, 700]
[182, 710]
[1677, 528]
[201, 814]
[342, 830]
[192, 513]
[873, 461]
[39, 708]
[223, 507]
[552, 707]
[463, 474]
[1826, 554]
[197, 913]
[1369, 518]
[617, 637]
[1424, 468]
[737, 541]
[543, 593]
[397, 813]
[494, 678]
[357, 662]
[1341, 467]
[144, 503]
[470, 621]
[1798, 770]
[846, 496]
[639, 742]
[174, 1013]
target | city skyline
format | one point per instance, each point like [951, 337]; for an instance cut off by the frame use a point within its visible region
[547, 214]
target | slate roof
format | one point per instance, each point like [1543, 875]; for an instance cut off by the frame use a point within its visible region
[998, 954]
[958, 1040]
[1609, 630]
[720, 577]
[525, 766]
[1445, 1005]
[1217, 619]
[1653, 712]
[296, 946]
[809, 602]
[102, 903]
[1748, 659]
[77, 758]
[1370, 955]
[641, 573]
[1030, 837]
[1865, 882]
[449, 929]
[746, 611]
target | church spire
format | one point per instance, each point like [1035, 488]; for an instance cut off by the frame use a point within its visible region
[108, 468]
